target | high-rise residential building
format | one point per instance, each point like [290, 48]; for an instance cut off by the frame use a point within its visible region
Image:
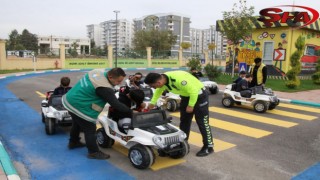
[94, 32]
[177, 23]
[106, 33]
[201, 38]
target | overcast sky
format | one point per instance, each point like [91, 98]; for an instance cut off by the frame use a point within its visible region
[70, 17]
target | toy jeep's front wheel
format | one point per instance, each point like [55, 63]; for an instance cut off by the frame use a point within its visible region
[214, 90]
[141, 157]
[184, 150]
[103, 139]
[42, 116]
[260, 106]
[227, 102]
[172, 105]
[50, 126]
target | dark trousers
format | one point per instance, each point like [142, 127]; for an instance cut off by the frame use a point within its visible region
[201, 112]
[246, 93]
[89, 130]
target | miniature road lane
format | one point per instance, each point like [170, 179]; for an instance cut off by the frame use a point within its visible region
[248, 145]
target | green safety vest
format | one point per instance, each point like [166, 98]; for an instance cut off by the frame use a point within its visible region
[181, 83]
[82, 99]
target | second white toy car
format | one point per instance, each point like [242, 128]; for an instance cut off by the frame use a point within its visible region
[262, 99]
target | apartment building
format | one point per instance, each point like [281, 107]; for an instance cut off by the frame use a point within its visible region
[107, 33]
[177, 23]
[94, 32]
[200, 38]
[51, 44]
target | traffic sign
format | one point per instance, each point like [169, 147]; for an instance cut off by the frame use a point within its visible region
[279, 54]
[243, 67]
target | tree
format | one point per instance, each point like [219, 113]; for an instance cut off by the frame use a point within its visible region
[25, 41]
[158, 40]
[14, 41]
[212, 47]
[73, 51]
[292, 74]
[237, 24]
[185, 45]
[29, 40]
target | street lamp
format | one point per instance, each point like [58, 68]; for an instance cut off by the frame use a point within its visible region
[116, 36]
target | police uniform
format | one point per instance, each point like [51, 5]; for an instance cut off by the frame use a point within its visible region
[192, 93]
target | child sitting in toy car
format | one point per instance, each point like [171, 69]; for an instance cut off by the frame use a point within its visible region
[243, 86]
[132, 98]
[64, 86]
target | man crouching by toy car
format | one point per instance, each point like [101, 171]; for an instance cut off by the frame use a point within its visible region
[86, 100]
[194, 102]
[132, 98]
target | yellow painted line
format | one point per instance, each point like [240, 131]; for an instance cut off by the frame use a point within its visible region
[251, 117]
[40, 94]
[160, 162]
[303, 108]
[293, 115]
[236, 128]
[196, 139]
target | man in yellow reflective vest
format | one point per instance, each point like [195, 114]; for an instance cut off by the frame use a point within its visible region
[258, 70]
[194, 101]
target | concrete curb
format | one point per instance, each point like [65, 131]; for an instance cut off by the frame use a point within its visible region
[3, 76]
[299, 102]
[7, 165]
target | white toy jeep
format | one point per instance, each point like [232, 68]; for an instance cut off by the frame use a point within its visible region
[211, 86]
[262, 99]
[53, 113]
[147, 131]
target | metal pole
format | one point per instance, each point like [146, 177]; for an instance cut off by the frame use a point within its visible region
[116, 37]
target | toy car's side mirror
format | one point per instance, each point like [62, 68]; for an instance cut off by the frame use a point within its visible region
[169, 119]
[44, 104]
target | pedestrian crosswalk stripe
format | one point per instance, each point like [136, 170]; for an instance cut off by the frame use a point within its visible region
[236, 128]
[196, 139]
[303, 108]
[293, 115]
[160, 162]
[251, 117]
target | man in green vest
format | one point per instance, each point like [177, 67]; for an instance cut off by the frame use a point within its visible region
[194, 101]
[258, 70]
[86, 100]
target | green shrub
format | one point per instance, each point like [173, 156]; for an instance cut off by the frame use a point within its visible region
[194, 62]
[212, 71]
[316, 78]
[291, 84]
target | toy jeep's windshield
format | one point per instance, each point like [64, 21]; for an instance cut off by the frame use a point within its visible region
[204, 79]
[147, 93]
[152, 118]
[56, 100]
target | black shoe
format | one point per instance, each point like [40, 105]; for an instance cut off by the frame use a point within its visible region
[205, 151]
[98, 155]
[73, 145]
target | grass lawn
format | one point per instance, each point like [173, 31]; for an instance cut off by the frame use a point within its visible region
[274, 84]
[14, 71]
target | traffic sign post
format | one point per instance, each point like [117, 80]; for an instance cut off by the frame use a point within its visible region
[279, 55]
[242, 67]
